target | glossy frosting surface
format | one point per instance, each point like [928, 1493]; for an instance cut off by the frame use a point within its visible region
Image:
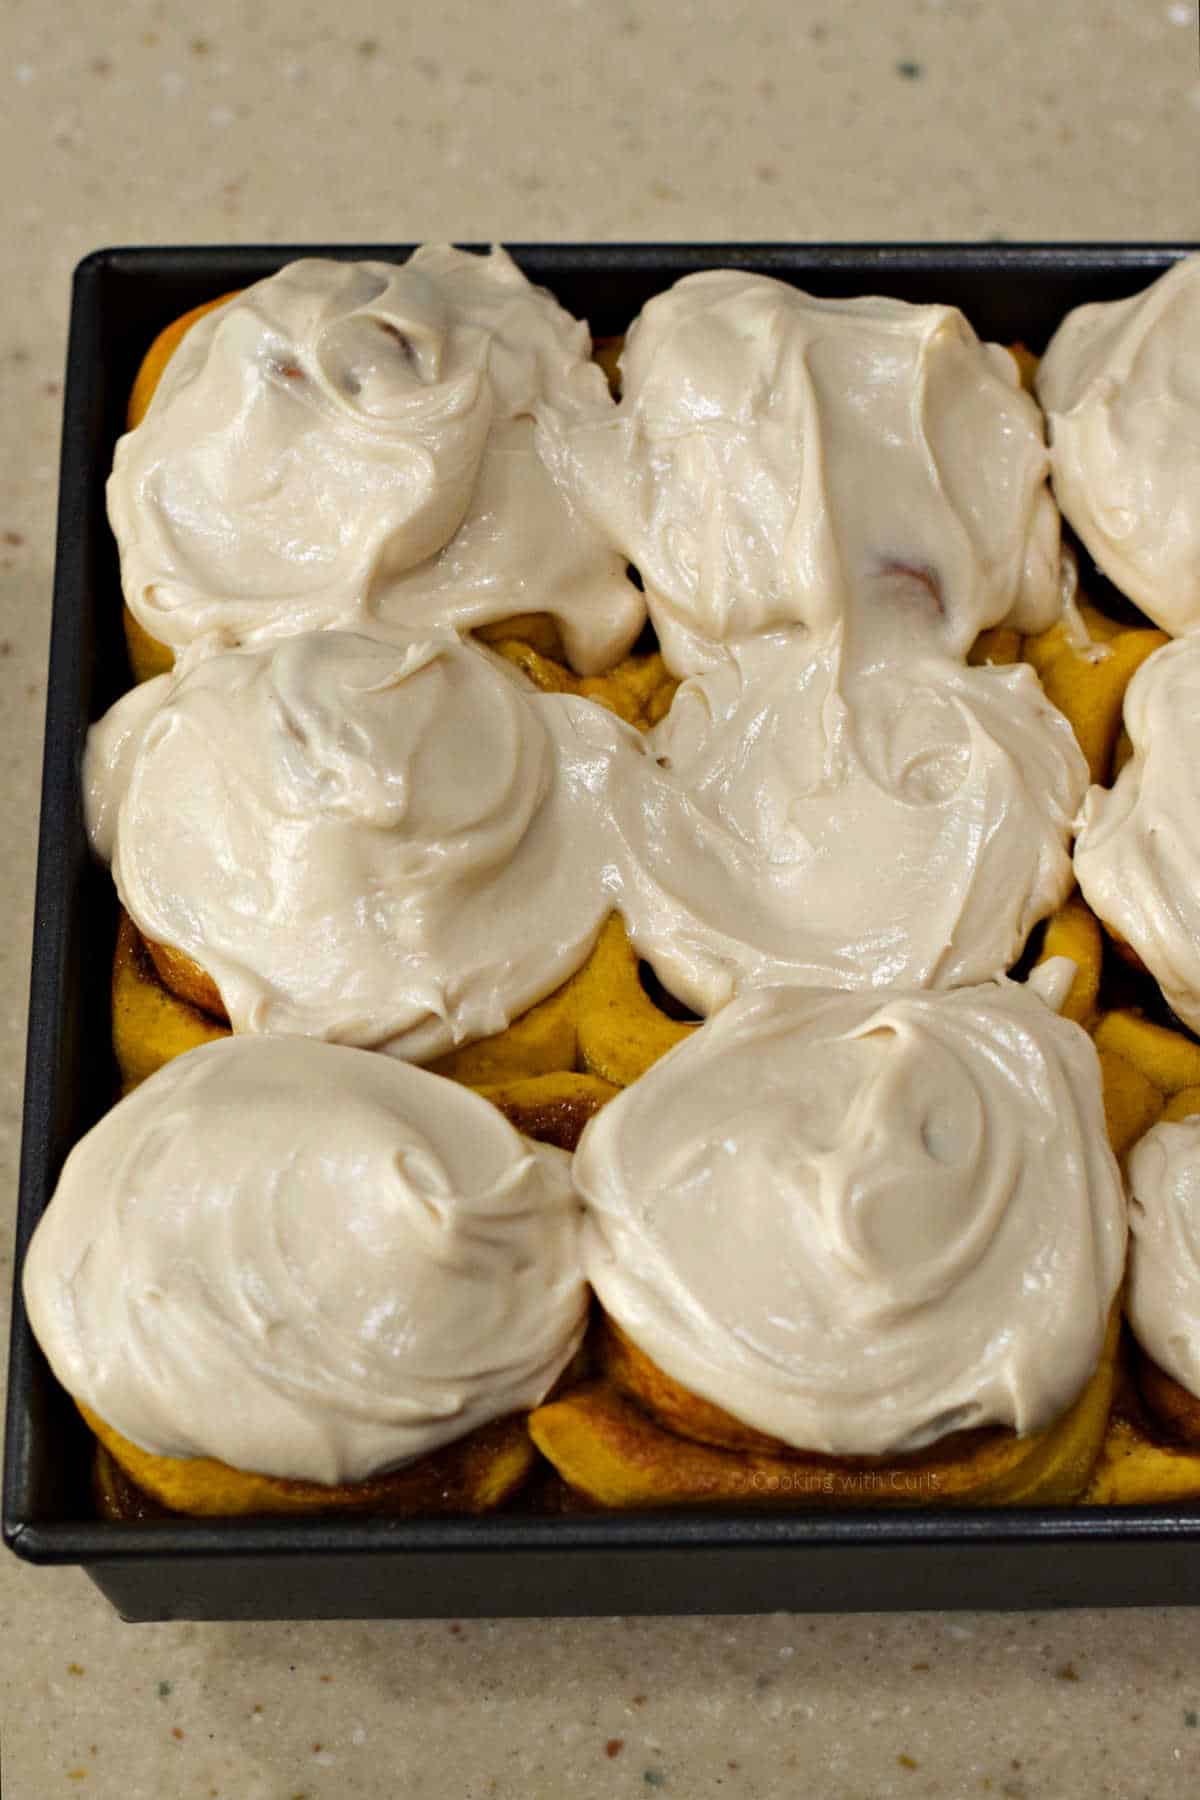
[395, 846]
[778, 459]
[1163, 1298]
[306, 1261]
[347, 442]
[1120, 382]
[1137, 855]
[903, 823]
[859, 1223]
[827, 499]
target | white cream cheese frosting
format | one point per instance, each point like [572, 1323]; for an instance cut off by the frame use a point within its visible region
[1162, 1302]
[778, 459]
[1120, 384]
[320, 443]
[858, 1223]
[904, 824]
[306, 1261]
[1137, 854]
[399, 846]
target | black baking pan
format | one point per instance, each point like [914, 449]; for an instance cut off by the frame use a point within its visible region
[517, 1565]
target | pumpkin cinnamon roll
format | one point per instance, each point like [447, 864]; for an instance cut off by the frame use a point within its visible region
[288, 1276]
[396, 845]
[1120, 384]
[851, 1246]
[352, 444]
[781, 461]
[1136, 851]
[1152, 1448]
[829, 824]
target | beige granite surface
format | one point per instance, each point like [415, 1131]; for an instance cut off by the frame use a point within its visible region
[573, 119]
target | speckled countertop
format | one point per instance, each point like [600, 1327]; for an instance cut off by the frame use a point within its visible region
[577, 119]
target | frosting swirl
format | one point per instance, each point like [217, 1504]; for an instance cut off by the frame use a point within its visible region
[369, 1257]
[1137, 855]
[1163, 1298]
[779, 459]
[315, 445]
[830, 1214]
[1120, 383]
[903, 825]
[404, 848]
[395, 846]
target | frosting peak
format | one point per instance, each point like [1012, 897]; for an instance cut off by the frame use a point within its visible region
[317, 432]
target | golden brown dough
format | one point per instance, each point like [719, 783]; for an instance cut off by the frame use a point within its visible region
[619, 1453]
[475, 1475]
[1091, 692]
